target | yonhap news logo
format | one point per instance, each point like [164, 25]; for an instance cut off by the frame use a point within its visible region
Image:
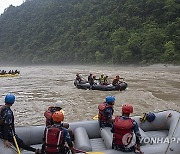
[129, 140]
[155, 140]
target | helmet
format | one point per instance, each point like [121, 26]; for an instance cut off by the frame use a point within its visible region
[150, 116]
[58, 116]
[77, 74]
[58, 104]
[117, 76]
[127, 108]
[110, 99]
[9, 99]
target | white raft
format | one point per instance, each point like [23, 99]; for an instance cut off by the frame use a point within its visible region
[89, 137]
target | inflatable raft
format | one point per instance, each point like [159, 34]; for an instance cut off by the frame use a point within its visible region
[89, 137]
[9, 75]
[110, 87]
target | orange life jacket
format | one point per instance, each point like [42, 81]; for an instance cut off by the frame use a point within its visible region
[121, 127]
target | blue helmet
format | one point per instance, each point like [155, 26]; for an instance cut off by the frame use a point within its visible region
[9, 99]
[150, 117]
[110, 99]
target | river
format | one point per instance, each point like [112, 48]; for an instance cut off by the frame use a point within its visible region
[151, 88]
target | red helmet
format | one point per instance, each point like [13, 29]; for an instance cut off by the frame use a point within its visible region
[127, 108]
[58, 116]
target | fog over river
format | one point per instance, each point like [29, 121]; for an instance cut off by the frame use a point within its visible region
[150, 88]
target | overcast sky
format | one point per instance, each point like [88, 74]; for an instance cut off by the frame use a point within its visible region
[5, 3]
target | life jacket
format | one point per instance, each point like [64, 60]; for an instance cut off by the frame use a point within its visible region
[101, 80]
[101, 108]
[105, 81]
[53, 139]
[122, 127]
[48, 114]
[115, 81]
[2, 107]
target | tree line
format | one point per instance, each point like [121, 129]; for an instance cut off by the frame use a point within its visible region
[91, 32]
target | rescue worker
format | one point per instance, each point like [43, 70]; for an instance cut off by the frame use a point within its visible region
[79, 78]
[49, 113]
[115, 82]
[56, 136]
[17, 72]
[106, 112]
[90, 80]
[7, 125]
[123, 128]
[105, 80]
[101, 79]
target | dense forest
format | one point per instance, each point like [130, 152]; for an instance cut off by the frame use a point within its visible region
[91, 32]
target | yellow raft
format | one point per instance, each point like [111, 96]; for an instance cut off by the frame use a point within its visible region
[9, 75]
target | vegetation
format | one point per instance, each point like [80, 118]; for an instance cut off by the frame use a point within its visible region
[91, 31]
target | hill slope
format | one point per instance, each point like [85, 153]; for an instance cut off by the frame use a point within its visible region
[96, 31]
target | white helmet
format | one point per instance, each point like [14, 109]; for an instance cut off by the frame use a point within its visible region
[58, 104]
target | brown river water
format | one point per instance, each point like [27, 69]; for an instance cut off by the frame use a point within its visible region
[152, 88]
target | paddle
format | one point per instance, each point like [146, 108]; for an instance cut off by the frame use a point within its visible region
[81, 151]
[95, 117]
[15, 141]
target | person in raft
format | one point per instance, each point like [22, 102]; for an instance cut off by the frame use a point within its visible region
[106, 112]
[56, 137]
[7, 129]
[51, 110]
[123, 129]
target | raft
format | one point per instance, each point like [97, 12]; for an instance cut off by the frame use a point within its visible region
[9, 75]
[110, 87]
[89, 137]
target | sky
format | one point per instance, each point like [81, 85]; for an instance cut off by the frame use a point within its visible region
[5, 3]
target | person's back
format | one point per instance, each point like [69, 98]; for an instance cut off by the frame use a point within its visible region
[123, 129]
[106, 112]
[55, 137]
[49, 113]
[51, 110]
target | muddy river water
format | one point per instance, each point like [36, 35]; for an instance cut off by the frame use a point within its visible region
[152, 88]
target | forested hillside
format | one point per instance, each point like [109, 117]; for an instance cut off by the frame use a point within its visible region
[91, 31]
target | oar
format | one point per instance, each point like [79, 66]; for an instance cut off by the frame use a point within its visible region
[15, 141]
[95, 117]
[81, 151]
